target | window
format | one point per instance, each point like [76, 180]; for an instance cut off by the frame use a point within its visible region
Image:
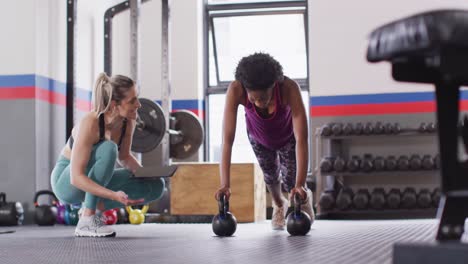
[234, 29]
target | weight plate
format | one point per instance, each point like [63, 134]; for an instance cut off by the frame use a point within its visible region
[191, 132]
[150, 127]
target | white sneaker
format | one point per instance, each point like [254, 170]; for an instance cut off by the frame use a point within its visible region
[93, 226]
[278, 216]
[307, 206]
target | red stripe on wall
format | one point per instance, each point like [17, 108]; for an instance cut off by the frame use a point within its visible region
[373, 109]
[27, 92]
[83, 105]
[51, 97]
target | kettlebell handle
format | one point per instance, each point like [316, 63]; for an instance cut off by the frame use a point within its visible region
[297, 204]
[2, 197]
[47, 192]
[223, 205]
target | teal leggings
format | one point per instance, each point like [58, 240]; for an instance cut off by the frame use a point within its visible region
[101, 169]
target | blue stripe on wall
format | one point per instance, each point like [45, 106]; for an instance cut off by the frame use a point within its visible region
[17, 80]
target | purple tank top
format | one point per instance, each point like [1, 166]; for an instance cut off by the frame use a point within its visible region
[272, 132]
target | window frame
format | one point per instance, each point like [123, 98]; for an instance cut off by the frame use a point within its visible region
[212, 11]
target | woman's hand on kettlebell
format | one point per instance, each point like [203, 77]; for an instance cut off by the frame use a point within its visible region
[122, 198]
[301, 190]
[225, 190]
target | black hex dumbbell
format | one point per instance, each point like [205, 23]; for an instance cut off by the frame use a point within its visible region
[422, 128]
[327, 200]
[379, 163]
[408, 198]
[326, 130]
[339, 164]
[337, 129]
[403, 162]
[415, 162]
[326, 164]
[391, 163]
[388, 129]
[367, 163]
[427, 163]
[424, 198]
[344, 199]
[368, 129]
[348, 129]
[379, 128]
[393, 198]
[377, 198]
[358, 129]
[361, 199]
[353, 164]
[431, 127]
[396, 128]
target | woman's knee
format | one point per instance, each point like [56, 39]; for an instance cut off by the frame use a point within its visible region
[157, 189]
[107, 149]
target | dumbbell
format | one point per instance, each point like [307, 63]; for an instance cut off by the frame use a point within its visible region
[379, 128]
[396, 128]
[353, 164]
[408, 198]
[427, 162]
[424, 198]
[339, 164]
[388, 129]
[377, 198]
[415, 162]
[326, 130]
[368, 128]
[437, 161]
[344, 199]
[422, 128]
[379, 163]
[393, 198]
[403, 162]
[391, 163]
[348, 129]
[431, 127]
[337, 129]
[326, 164]
[358, 128]
[361, 199]
[367, 163]
[327, 200]
[435, 197]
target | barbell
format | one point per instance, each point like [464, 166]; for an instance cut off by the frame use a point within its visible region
[185, 130]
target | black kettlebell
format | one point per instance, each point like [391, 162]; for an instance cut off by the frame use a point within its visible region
[45, 215]
[11, 213]
[224, 223]
[298, 223]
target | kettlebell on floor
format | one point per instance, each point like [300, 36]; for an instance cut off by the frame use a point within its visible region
[137, 216]
[224, 223]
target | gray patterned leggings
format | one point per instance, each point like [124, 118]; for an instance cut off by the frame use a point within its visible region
[273, 162]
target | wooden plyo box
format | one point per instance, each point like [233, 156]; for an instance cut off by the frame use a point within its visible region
[194, 184]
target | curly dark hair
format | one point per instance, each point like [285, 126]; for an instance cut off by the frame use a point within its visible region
[258, 71]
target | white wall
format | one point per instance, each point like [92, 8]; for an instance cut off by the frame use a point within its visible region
[18, 37]
[338, 32]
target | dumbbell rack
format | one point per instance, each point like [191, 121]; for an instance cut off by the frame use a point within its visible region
[334, 144]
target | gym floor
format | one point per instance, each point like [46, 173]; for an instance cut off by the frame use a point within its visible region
[329, 241]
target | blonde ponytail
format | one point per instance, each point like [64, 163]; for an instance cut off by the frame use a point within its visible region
[102, 94]
[107, 89]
